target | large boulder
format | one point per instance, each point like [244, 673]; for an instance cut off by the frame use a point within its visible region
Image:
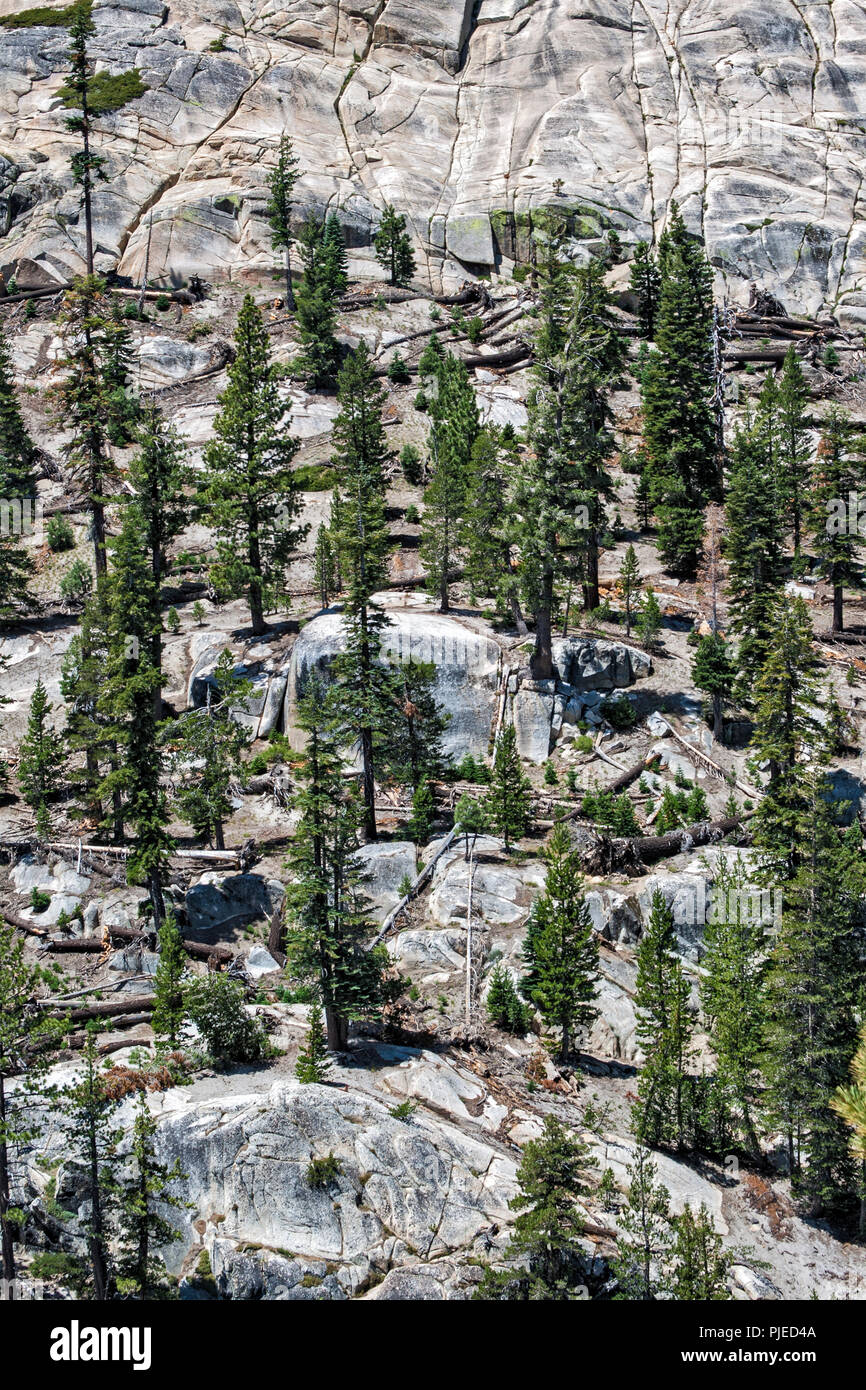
[220, 901]
[532, 710]
[596, 664]
[384, 865]
[467, 670]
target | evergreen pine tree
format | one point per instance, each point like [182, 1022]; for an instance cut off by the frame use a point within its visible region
[92, 1139]
[28, 1040]
[17, 450]
[700, 1263]
[546, 1236]
[42, 761]
[713, 672]
[679, 399]
[813, 989]
[329, 932]
[788, 734]
[83, 405]
[488, 527]
[455, 428]
[410, 746]
[335, 259]
[645, 284]
[208, 753]
[281, 185]
[649, 620]
[317, 310]
[123, 408]
[629, 584]
[664, 1032]
[250, 491]
[323, 565]
[362, 693]
[508, 801]
[565, 951]
[562, 481]
[839, 473]
[144, 1197]
[169, 1008]
[644, 1223]
[313, 1063]
[753, 547]
[793, 448]
[733, 996]
[394, 247]
[420, 824]
[503, 1004]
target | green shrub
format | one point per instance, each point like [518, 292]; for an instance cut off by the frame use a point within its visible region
[421, 402]
[216, 1006]
[39, 900]
[475, 329]
[323, 1171]
[412, 514]
[163, 303]
[398, 372]
[504, 1008]
[583, 743]
[43, 16]
[404, 1111]
[172, 620]
[315, 477]
[77, 582]
[620, 713]
[59, 534]
[410, 462]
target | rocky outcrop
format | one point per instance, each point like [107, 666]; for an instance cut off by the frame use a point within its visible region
[750, 119]
[467, 670]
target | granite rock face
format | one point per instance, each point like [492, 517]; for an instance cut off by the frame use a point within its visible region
[467, 670]
[473, 119]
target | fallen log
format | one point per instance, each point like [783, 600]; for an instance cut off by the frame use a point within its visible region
[136, 1004]
[93, 945]
[625, 779]
[651, 848]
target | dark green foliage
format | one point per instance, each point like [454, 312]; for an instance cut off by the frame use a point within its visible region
[92, 1139]
[394, 247]
[215, 1005]
[42, 760]
[281, 185]
[169, 1010]
[17, 450]
[733, 996]
[410, 743]
[700, 1265]
[322, 1172]
[664, 1029]
[316, 304]
[398, 372]
[454, 412]
[76, 585]
[754, 551]
[363, 691]
[546, 1236]
[503, 1004]
[59, 534]
[713, 671]
[628, 584]
[564, 965]
[840, 473]
[649, 620]
[208, 753]
[508, 802]
[678, 398]
[145, 1197]
[562, 481]
[329, 928]
[420, 825]
[313, 1064]
[645, 283]
[250, 491]
[644, 1242]
[814, 990]
[105, 92]
[47, 16]
[619, 712]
